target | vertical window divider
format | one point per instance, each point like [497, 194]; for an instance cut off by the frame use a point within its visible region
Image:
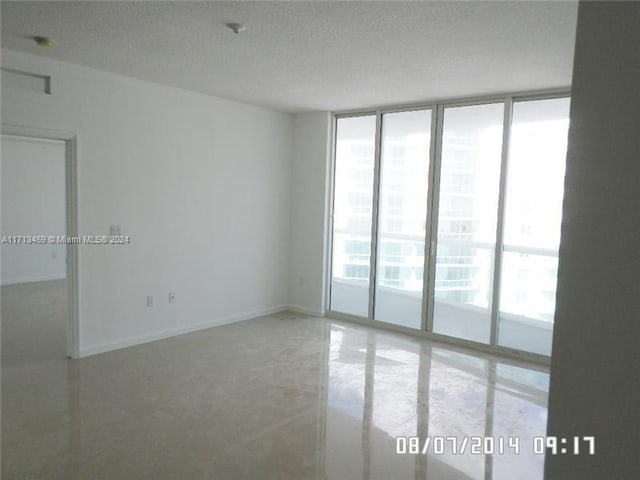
[326, 300]
[431, 243]
[426, 284]
[502, 195]
[373, 254]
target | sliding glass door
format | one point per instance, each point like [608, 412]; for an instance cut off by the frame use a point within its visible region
[534, 193]
[353, 207]
[402, 217]
[467, 220]
[447, 218]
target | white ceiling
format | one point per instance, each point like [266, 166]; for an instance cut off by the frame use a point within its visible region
[299, 56]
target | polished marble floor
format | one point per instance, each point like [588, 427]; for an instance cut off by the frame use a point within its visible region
[279, 397]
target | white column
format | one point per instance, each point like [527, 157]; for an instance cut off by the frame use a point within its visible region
[595, 367]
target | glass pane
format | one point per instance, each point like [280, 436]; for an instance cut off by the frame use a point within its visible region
[529, 285]
[468, 208]
[528, 301]
[535, 177]
[535, 190]
[353, 200]
[404, 184]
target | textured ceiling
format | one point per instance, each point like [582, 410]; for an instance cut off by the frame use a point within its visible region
[299, 56]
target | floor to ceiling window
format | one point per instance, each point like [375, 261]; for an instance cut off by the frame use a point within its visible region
[447, 218]
[467, 220]
[534, 193]
[353, 207]
[402, 217]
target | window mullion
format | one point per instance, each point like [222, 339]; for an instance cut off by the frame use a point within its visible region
[432, 218]
[373, 257]
[502, 195]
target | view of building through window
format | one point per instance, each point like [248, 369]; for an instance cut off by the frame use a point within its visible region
[535, 190]
[466, 207]
[467, 220]
[402, 217]
[353, 211]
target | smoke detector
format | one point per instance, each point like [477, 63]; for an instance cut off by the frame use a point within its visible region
[236, 27]
[44, 41]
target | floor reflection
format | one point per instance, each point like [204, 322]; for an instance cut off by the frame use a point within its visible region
[382, 386]
[282, 397]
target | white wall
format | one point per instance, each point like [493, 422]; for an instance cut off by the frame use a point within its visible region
[309, 182]
[33, 203]
[595, 368]
[201, 184]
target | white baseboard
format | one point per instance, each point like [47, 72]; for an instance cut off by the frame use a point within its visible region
[172, 332]
[39, 278]
[305, 310]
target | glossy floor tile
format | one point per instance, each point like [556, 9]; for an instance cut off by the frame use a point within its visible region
[278, 397]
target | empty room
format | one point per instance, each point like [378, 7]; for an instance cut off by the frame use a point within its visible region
[323, 240]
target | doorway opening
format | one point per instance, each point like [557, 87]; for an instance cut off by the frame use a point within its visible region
[38, 259]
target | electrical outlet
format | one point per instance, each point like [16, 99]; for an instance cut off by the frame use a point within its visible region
[172, 297]
[149, 301]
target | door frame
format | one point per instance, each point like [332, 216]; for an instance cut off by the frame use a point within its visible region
[71, 217]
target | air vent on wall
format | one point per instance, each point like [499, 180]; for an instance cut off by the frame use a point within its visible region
[26, 81]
